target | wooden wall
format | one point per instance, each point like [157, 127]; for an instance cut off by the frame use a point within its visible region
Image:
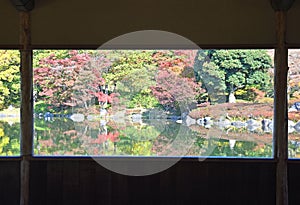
[215, 182]
[83, 181]
[77, 23]
[9, 25]
[213, 23]
[294, 182]
[9, 182]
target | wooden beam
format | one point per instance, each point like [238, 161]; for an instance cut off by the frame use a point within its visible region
[26, 105]
[282, 5]
[23, 5]
[280, 133]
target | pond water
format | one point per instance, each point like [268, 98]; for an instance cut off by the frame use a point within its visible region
[63, 137]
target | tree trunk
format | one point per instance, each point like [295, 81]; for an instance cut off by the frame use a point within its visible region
[231, 98]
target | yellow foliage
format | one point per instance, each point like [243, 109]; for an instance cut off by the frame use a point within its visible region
[142, 148]
[296, 95]
[241, 92]
[265, 100]
[176, 69]
[9, 77]
[4, 141]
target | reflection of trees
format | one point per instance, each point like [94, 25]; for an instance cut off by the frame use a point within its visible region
[137, 140]
[221, 147]
[174, 139]
[97, 138]
[9, 139]
[214, 142]
[57, 137]
[248, 149]
[153, 137]
[294, 148]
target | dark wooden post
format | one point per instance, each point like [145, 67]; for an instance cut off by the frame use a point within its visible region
[280, 134]
[26, 105]
[280, 111]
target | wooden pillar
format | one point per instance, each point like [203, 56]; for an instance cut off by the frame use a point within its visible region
[280, 134]
[280, 111]
[26, 105]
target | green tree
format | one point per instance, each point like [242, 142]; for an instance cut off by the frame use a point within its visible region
[226, 71]
[133, 72]
[40, 55]
[124, 62]
[9, 78]
[212, 78]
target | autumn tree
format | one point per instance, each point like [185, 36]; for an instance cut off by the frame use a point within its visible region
[90, 83]
[175, 92]
[134, 72]
[177, 61]
[39, 55]
[55, 78]
[74, 78]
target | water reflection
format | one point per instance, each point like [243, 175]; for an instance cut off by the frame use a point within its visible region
[9, 138]
[63, 137]
[147, 138]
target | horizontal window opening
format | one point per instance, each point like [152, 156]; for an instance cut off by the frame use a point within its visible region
[164, 103]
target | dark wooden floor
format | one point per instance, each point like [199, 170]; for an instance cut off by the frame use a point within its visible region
[63, 181]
